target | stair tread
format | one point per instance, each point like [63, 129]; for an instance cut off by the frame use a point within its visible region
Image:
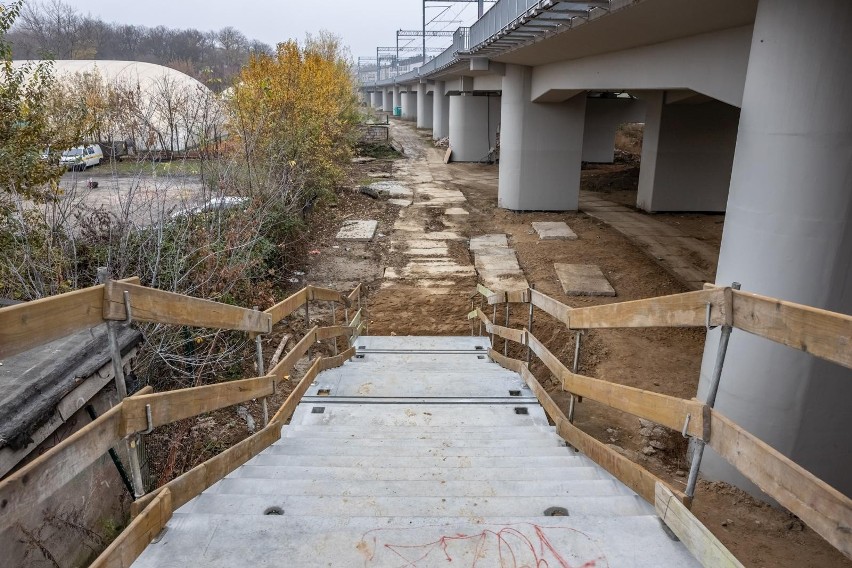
[632, 542]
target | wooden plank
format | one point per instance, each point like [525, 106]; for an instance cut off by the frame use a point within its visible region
[355, 322]
[287, 306]
[483, 290]
[822, 507]
[825, 334]
[171, 406]
[334, 331]
[331, 362]
[679, 310]
[506, 362]
[286, 364]
[159, 306]
[550, 306]
[30, 324]
[663, 409]
[511, 296]
[286, 411]
[355, 294]
[516, 335]
[637, 478]
[48, 473]
[697, 538]
[325, 294]
[127, 547]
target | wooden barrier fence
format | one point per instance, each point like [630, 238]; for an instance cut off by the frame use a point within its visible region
[824, 334]
[28, 325]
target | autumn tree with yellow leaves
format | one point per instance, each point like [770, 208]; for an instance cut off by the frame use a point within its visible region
[293, 115]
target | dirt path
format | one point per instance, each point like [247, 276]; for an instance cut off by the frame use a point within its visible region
[421, 278]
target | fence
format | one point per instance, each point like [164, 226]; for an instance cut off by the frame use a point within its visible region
[28, 325]
[822, 333]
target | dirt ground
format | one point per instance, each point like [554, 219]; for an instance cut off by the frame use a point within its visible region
[661, 360]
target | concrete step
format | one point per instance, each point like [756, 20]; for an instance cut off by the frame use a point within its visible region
[217, 541]
[412, 433]
[395, 415]
[442, 359]
[332, 443]
[298, 447]
[323, 473]
[476, 462]
[419, 383]
[421, 343]
[421, 488]
[435, 506]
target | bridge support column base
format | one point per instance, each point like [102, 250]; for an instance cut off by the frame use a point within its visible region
[788, 234]
[687, 155]
[541, 146]
[474, 121]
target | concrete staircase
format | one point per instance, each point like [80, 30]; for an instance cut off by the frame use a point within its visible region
[419, 451]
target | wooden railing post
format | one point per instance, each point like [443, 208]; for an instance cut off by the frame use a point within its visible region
[258, 354]
[131, 443]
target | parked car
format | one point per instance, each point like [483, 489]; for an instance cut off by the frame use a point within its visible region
[82, 157]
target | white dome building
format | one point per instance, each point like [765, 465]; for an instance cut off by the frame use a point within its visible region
[161, 109]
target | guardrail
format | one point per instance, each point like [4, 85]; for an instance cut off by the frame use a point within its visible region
[25, 326]
[824, 334]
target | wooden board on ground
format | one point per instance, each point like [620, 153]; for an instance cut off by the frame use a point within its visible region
[289, 360]
[159, 306]
[697, 538]
[825, 334]
[583, 280]
[448, 155]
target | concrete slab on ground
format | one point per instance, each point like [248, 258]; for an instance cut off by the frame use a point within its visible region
[456, 211]
[553, 230]
[357, 230]
[391, 189]
[583, 280]
[400, 202]
[499, 280]
[497, 262]
[482, 242]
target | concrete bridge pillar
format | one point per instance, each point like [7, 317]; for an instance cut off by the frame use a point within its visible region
[424, 106]
[541, 147]
[387, 104]
[788, 234]
[474, 121]
[440, 112]
[409, 105]
[603, 117]
[397, 101]
[687, 155]
[376, 100]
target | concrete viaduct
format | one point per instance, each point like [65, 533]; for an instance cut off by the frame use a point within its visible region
[747, 106]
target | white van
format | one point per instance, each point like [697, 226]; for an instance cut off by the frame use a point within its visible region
[82, 157]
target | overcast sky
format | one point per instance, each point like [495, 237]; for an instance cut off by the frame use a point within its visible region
[363, 24]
